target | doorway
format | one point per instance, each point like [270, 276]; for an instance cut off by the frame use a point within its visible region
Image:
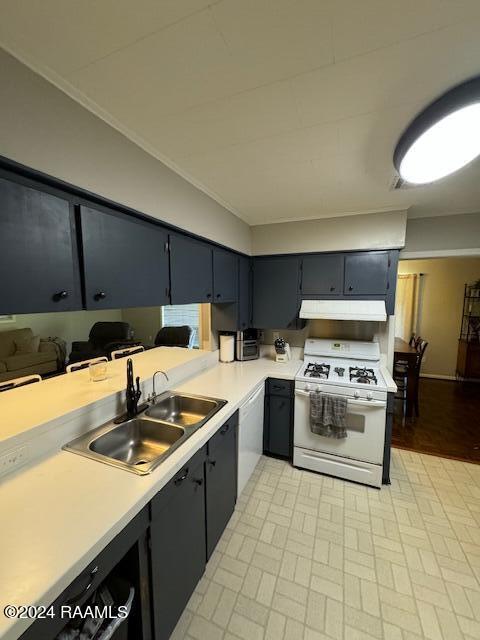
[430, 307]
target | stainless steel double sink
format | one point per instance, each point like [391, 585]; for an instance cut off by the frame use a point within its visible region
[140, 444]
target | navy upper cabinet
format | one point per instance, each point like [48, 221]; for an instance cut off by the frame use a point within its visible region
[276, 285]
[244, 293]
[38, 252]
[322, 274]
[225, 276]
[190, 270]
[125, 261]
[366, 273]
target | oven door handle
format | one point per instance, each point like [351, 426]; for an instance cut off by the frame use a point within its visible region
[356, 403]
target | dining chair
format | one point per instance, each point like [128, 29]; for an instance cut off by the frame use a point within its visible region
[129, 351]
[84, 364]
[401, 377]
[19, 382]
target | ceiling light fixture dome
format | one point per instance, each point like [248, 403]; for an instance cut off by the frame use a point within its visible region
[443, 138]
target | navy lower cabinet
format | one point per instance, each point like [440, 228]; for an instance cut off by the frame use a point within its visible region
[178, 543]
[122, 565]
[221, 481]
[278, 420]
[276, 288]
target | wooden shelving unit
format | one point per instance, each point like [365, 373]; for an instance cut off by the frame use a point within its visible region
[468, 358]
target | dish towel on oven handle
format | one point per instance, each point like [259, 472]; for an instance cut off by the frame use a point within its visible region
[328, 415]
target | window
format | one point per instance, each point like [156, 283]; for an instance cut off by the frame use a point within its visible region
[176, 315]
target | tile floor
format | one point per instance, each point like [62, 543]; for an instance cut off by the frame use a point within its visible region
[310, 557]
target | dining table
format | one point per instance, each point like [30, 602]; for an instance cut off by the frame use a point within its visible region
[407, 355]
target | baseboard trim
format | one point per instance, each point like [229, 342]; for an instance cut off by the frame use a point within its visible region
[437, 376]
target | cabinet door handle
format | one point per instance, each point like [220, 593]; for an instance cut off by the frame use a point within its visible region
[209, 295]
[212, 463]
[350, 288]
[224, 430]
[101, 295]
[198, 481]
[219, 295]
[178, 481]
[332, 288]
[277, 386]
[88, 586]
[60, 295]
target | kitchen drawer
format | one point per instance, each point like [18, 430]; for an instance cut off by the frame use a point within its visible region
[278, 387]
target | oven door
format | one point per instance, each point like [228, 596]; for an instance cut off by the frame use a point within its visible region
[365, 428]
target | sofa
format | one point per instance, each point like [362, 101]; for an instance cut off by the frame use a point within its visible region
[20, 355]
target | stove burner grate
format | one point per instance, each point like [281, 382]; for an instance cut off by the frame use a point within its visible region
[316, 370]
[362, 375]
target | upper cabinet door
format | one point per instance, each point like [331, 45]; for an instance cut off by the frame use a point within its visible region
[125, 261]
[366, 273]
[244, 293]
[190, 270]
[37, 252]
[275, 292]
[225, 276]
[323, 274]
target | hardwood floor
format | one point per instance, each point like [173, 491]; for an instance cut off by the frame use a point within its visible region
[449, 422]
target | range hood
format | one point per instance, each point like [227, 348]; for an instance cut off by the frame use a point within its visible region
[344, 310]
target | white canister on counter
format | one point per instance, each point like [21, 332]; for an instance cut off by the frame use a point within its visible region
[227, 348]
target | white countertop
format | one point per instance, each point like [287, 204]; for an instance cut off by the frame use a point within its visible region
[57, 397]
[61, 511]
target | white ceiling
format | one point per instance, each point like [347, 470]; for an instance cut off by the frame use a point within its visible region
[282, 109]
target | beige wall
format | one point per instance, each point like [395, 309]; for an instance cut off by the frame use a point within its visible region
[441, 310]
[145, 322]
[70, 326]
[367, 231]
[428, 237]
[43, 128]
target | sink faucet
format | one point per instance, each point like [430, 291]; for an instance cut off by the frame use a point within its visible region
[153, 396]
[133, 395]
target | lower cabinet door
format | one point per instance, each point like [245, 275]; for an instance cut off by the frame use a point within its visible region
[221, 481]
[279, 426]
[177, 544]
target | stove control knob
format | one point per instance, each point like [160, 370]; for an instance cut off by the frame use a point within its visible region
[356, 395]
[369, 395]
[308, 387]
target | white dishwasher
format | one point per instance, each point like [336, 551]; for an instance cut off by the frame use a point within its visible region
[250, 435]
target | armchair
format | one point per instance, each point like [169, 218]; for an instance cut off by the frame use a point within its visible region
[104, 338]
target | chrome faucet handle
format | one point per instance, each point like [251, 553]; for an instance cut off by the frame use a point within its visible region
[153, 396]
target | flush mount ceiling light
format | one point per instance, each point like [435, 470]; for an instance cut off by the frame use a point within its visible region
[443, 138]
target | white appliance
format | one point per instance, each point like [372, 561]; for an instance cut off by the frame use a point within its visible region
[349, 369]
[344, 310]
[250, 436]
[227, 348]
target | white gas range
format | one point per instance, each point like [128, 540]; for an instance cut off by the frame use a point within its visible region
[349, 369]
